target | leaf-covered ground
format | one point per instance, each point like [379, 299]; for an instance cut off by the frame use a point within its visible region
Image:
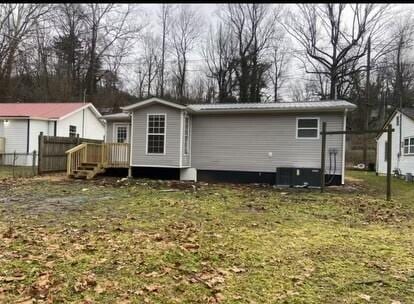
[141, 241]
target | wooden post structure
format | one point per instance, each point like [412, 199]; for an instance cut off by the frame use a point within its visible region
[34, 162]
[389, 159]
[40, 153]
[323, 157]
[366, 108]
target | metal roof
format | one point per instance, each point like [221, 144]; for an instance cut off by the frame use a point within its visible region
[116, 116]
[46, 111]
[409, 112]
[327, 105]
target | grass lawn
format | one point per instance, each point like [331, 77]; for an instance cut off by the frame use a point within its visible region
[18, 171]
[103, 241]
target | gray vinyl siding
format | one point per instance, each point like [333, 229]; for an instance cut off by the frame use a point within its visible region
[242, 142]
[109, 138]
[171, 158]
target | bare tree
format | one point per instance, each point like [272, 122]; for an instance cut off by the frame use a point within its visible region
[219, 55]
[185, 32]
[16, 24]
[164, 16]
[328, 40]
[107, 23]
[253, 27]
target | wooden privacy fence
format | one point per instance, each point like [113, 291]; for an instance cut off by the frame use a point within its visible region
[52, 151]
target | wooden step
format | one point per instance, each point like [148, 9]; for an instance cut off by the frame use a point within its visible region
[82, 167]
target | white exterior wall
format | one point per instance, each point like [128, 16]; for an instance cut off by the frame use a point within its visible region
[15, 133]
[405, 162]
[93, 128]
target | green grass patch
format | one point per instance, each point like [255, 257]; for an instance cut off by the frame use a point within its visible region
[144, 241]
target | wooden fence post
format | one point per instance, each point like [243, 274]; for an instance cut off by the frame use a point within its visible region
[323, 148]
[40, 151]
[389, 159]
[34, 162]
[14, 161]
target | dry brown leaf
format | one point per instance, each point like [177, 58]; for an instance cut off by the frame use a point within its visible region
[152, 288]
[365, 297]
[27, 300]
[99, 289]
[236, 269]
[12, 279]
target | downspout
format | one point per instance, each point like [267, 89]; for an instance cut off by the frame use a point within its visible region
[83, 123]
[343, 149]
[131, 136]
[55, 129]
[28, 136]
[399, 143]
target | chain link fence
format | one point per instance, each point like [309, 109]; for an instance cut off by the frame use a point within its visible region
[18, 164]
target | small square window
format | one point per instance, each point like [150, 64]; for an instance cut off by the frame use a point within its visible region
[307, 128]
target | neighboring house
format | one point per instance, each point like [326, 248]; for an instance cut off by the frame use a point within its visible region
[243, 142]
[402, 146]
[21, 124]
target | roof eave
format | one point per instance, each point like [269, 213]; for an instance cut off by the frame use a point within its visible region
[287, 110]
[152, 100]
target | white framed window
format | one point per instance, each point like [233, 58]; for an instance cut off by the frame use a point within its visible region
[186, 134]
[72, 131]
[409, 145]
[156, 130]
[307, 128]
[121, 133]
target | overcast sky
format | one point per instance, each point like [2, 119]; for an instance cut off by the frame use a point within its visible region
[209, 15]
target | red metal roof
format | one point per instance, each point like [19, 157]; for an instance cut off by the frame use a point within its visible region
[39, 110]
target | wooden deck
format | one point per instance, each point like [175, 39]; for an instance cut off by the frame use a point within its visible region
[88, 159]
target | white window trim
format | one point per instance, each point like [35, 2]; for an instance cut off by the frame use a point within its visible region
[115, 131]
[76, 130]
[165, 134]
[307, 138]
[188, 137]
[409, 139]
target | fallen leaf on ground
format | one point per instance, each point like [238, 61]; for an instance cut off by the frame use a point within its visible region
[152, 288]
[365, 297]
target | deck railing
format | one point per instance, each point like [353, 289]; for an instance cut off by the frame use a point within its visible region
[116, 155]
[107, 155]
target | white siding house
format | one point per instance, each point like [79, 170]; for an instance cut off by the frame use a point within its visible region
[21, 124]
[402, 146]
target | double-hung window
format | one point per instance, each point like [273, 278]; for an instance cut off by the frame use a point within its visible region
[409, 145]
[307, 128]
[156, 133]
[186, 134]
[72, 131]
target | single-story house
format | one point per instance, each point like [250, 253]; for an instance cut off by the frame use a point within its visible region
[21, 124]
[242, 142]
[402, 146]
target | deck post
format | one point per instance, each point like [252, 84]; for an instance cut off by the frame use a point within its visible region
[389, 159]
[40, 153]
[323, 148]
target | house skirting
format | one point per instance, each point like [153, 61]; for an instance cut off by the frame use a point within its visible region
[156, 172]
[216, 176]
